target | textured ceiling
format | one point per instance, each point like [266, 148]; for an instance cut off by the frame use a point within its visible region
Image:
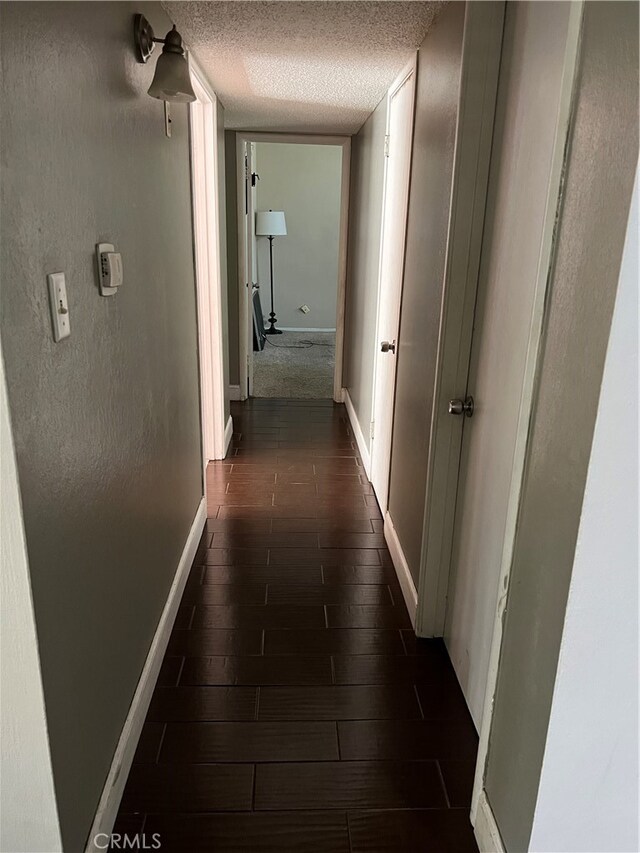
[315, 67]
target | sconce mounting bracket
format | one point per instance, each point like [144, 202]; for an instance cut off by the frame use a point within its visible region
[143, 38]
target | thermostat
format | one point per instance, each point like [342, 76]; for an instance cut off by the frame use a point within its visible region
[109, 263]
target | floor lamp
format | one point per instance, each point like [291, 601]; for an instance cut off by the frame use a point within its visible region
[271, 223]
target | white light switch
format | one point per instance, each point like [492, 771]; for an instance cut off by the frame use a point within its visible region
[59, 306]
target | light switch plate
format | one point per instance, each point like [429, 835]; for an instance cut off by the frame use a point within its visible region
[59, 306]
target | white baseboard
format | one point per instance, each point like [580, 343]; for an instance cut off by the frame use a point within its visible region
[402, 568]
[228, 433]
[486, 829]
[357, 432]
[234, 392]
[123, 757]
[303, 329]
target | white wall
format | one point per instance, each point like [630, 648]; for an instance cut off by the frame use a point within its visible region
[305, 182]
[365, 219]
[588, 794]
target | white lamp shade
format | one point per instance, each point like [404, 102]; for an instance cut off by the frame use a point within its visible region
[270, 223]
[172, 81]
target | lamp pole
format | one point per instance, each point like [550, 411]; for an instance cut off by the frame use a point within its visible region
[272, 316]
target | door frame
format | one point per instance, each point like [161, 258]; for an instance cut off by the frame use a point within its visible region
[486, 830]
[203, 123]
[409, 71]
[245, 345]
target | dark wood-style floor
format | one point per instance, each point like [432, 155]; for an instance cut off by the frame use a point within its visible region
[295, 710]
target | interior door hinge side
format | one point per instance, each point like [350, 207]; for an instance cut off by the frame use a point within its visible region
[387, 142]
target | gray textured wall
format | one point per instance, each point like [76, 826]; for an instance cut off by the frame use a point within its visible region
[106, 422]
[304, 181]
[439, 66]
[602, 160]
[365, 219]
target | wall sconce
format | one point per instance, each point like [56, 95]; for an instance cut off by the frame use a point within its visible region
[172, 81]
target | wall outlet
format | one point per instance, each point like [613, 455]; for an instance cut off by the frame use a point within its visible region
[305, 309]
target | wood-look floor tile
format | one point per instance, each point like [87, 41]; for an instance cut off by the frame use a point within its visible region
[442, 703]
[330, 488]
[258, 832]
[324, 556]
[265, 540]
[379, 702]
[381, 740]
[390, 669]
[458, 780]
[236, 556]
[188, 788]
[248, 500]
[367, 616]
[252, 513]
[321, 525]
[337, 539]
[333, 641]
[170, 671]
[126, 824]
[269, 616]
[238, 526]
[257, 670]
[215, 642]
[184, 616]
[226, 593]
[187, 703]
[349, 785]
[359, 574]
[268, 726]
[193, 743]
[305, 594]
[149, 743]
[414, 831]
[262, 574]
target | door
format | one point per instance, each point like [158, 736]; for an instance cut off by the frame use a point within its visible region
[394, 223]
[531, 128]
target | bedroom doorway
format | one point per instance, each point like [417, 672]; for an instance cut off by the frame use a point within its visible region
[292, 207]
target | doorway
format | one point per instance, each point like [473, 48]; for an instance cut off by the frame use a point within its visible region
[304, 182]
[297, 199]
[398, 146]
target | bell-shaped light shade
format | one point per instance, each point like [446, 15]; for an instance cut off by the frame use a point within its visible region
[271, 223]
[172, 81]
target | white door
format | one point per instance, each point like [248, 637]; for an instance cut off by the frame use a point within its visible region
[394, 225]
[530, 132]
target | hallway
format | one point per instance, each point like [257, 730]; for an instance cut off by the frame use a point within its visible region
[295, 709]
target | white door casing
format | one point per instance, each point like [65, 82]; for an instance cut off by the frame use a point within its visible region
[397, 173]
[206, 219]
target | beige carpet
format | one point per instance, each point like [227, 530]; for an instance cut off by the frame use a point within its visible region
[295, 365]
